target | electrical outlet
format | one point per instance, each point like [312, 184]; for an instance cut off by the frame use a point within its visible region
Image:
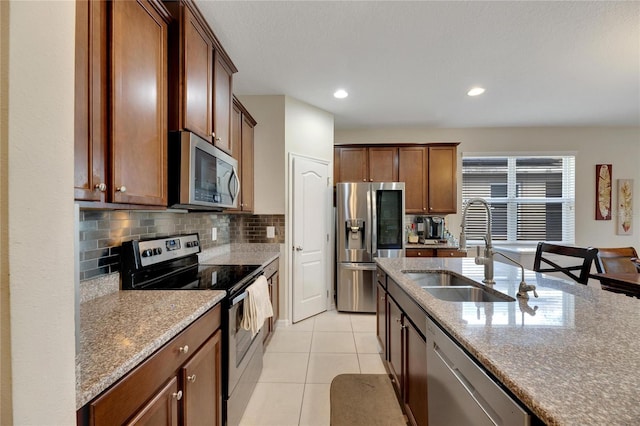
[271, 231]
[214, 234]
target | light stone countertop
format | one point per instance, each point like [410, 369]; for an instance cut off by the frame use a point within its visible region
[572, 355]
[120, 330]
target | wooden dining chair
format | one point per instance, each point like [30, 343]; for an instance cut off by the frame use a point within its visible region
[581, 259]
[617, 260]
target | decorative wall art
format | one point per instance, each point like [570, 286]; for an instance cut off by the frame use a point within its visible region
[625, 207]
[603, 191]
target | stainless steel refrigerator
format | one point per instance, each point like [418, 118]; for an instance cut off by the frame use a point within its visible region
[369, 224]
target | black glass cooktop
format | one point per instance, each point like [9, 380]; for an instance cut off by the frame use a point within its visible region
[204, 277]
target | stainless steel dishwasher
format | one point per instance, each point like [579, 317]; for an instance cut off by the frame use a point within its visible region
[460, 392]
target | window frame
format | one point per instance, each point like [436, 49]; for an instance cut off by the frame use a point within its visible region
[566, 200]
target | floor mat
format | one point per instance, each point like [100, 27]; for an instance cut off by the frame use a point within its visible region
[364, 399]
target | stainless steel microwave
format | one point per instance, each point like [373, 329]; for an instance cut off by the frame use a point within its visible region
[201, 176]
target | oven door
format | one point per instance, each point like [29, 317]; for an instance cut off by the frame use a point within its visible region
[244, 361]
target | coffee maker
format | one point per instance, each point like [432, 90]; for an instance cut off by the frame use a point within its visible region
[433, 228]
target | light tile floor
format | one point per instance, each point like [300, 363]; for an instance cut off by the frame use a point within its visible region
[300, 362]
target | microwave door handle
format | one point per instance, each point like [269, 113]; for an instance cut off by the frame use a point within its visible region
[234, 175]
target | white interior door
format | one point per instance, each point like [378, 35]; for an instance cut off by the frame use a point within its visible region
[311, 216]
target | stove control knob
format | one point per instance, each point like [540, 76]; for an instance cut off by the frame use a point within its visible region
[196, 244]
[189, 244]
[157, 250]
[147, 253]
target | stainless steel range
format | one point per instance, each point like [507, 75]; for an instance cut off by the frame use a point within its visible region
[171, 263]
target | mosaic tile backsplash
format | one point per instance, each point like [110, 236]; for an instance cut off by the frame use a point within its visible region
[103, 231]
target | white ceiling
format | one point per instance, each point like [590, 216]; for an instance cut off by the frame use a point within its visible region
[564, 63]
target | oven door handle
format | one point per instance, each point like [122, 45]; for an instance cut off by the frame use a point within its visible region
[238, 298]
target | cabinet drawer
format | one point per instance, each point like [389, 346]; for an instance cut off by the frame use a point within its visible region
[121, 401]
[422, 252]
[451, 253]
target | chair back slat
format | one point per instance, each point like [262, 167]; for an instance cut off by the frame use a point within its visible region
[584, 256]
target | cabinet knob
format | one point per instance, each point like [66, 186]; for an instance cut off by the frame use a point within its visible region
[177, 395]
[213, 134]
[370, 180]
[184, 349]
[121, 188]
[218, 139]
[423, 208]
[191, 378]
[364, 180]
[101, 187]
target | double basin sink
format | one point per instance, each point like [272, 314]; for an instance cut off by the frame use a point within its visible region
[450, 287]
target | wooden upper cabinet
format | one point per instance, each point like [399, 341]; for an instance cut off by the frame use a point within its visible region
[90, 118]
[121, 130]
[198, 78]
[138, 117]
[222, 89]
[367, 164]
[351, 165]
[443, 189]
[383, 164]
[242, 141]
[413, 172]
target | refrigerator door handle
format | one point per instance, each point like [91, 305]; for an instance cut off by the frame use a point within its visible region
[373, 248]
[359, 266]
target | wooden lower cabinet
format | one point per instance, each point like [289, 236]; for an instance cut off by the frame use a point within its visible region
[437, 252]
[415, 374]
[381, 318]
[406, 359]
[180, 384]
[394, 343]
[201, 383]
[162, 409]
[273, 279]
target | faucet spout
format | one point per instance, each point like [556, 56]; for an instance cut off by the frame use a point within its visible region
[487, 258]
[523, 288]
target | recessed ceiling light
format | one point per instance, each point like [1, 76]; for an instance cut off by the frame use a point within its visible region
[476, 91]
[340, 94]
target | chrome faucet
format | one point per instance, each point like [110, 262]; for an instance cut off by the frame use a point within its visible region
[487, 257]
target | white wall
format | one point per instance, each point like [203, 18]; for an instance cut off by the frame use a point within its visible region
[285, 125]
[619, 146]
[269, 158]
[37, 138]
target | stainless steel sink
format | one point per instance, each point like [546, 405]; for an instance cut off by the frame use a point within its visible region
[455, 288]
[467, 294]
[438, 279]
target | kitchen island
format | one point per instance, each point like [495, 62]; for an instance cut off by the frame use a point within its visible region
[570, 356]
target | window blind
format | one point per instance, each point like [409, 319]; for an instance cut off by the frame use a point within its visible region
[532, 197]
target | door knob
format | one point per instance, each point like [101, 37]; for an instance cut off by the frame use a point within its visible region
[298, 248]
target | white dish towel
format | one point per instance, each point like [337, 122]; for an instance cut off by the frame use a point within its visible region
[257, 306]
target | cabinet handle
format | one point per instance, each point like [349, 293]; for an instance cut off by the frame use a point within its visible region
[121, 188]
[191, 378]
[101, 187]
[177, 395]
[184, 349]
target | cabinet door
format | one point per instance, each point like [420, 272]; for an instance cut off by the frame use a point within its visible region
[381, 319]
[383, 164]
[201, 378]
[247, 176]
[413, 172]
[351, 165]
[198, 78]
[415, 375]
[443, 191]
[394, 351]
[138, 117]
[162, 409]
[90, 133]
[222, 96]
